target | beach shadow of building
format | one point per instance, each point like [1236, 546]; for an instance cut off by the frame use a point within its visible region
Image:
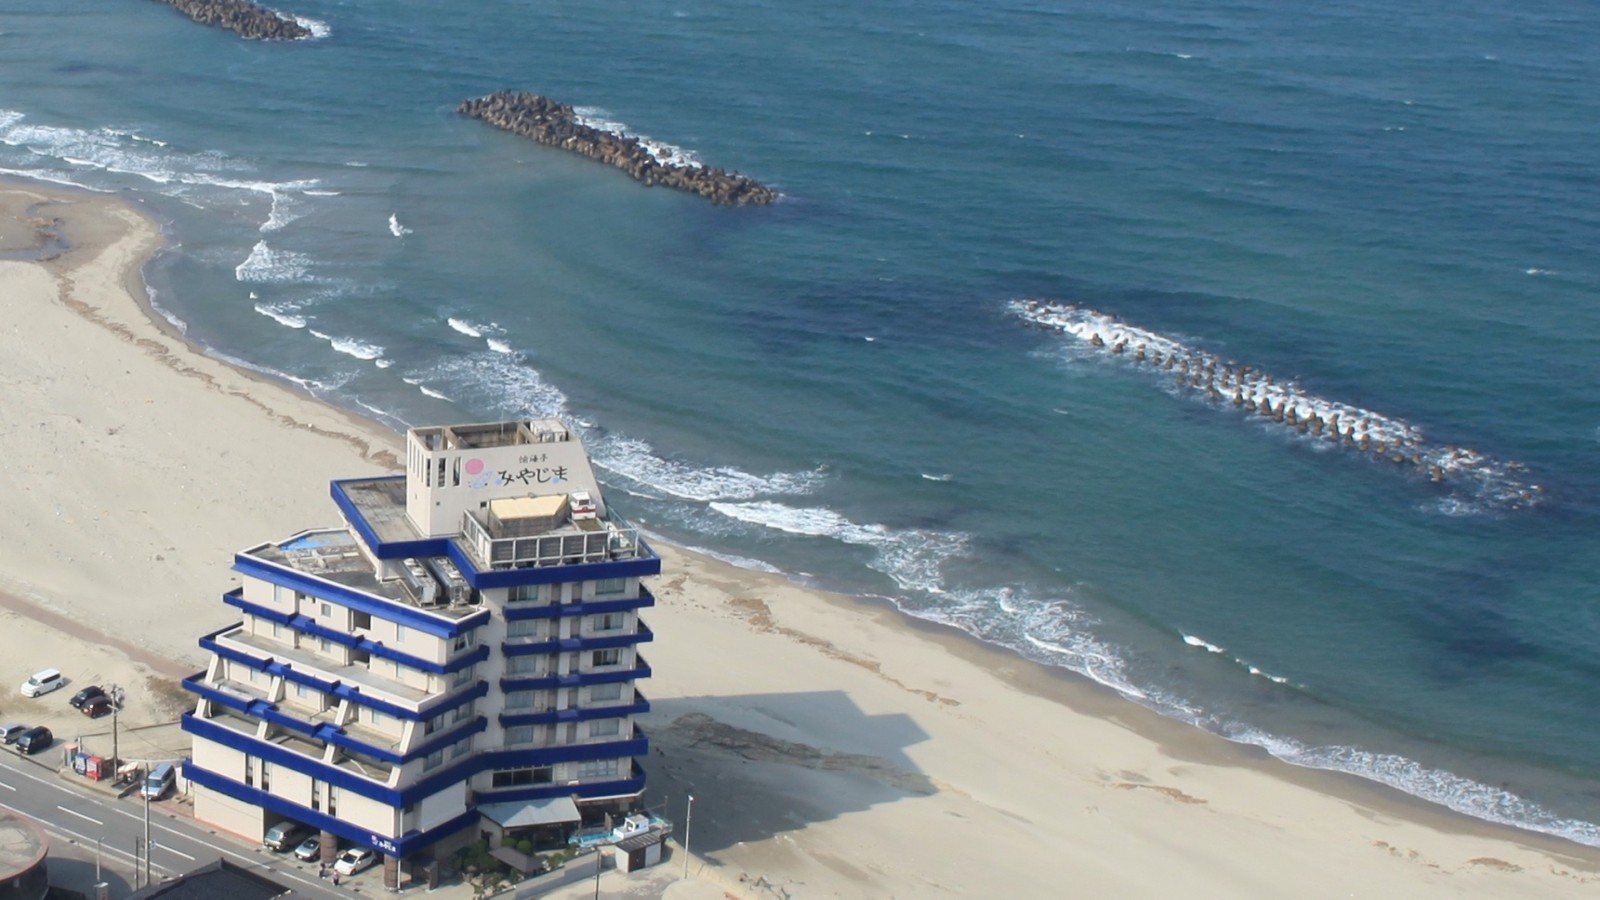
[759, 765]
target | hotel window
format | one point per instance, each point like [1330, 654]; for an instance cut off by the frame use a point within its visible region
[361, 620]
[522, 665]
[504, 778]
[461, 748]
[607, 657]
[249, 770]
[433, 724]
[522, 628]
[605, 693]
[610, 586]
[604, 768]
[266, 775]
[520, 734]
[520, 699]
[609, 621]
[523, 593]
[327, 610]
[253, 675]
[316, 794]
[302, 691]
[434, 760]
[325, 645]
[333, 800]
[463, 676]
[277, 629]
[463, 641]
[605, 728]
[399, 633]
[462, 712]
[375, 715]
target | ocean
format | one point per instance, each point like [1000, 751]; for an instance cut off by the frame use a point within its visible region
[1390, 210]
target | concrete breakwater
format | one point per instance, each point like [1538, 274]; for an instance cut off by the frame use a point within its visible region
[557, 125]
[246, 18]
[1285, 403]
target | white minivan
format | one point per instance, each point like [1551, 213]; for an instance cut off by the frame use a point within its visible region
[42, 682]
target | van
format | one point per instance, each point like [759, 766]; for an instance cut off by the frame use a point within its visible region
[42, 682]
[285, 835]
[158, 781]
[34, 739]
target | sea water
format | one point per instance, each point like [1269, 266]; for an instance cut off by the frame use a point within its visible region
[1393, 208]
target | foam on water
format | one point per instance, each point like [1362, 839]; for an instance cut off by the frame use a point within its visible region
[352, 346]
[498, 345]
[1445, 788]
[266, 265]
[912, 558]
[282, 313]
[1287, 403]
[465, 327]
[663, 152]
[1193, 641]
[395, 228]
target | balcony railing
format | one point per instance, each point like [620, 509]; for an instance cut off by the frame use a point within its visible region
[598, 541]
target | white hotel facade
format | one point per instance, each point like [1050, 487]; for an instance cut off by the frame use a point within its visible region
[459, 658]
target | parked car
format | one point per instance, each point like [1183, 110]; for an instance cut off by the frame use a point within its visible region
[42, 682]
[96, 707]
[354, 860]
[85, 695]
[285, 835]
[159, 781]
[10, 731]
[34, 739]
[310, 849]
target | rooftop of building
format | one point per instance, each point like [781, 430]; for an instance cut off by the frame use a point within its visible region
[492, 434]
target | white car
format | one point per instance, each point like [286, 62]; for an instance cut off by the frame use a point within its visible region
[354, 860]
[42, 682]
[10, 731]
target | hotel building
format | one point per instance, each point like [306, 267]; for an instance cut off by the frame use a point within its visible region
[458, 659]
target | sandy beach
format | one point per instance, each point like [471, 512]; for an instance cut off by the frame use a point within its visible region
[833, 747]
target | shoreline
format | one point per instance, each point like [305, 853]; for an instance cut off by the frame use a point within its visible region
[1006, 738]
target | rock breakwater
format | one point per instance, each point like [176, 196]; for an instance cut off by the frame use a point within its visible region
[558, 125]
[1285, 403]
[248, 19]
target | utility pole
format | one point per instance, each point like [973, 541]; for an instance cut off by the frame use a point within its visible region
[146, 837]
[116, 707]
[688, 822]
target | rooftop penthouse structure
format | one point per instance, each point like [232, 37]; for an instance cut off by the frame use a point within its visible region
[462, 651]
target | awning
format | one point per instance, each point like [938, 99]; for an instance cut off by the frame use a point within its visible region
[549, 811]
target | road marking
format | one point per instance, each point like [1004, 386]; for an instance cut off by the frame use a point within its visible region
[7, 786]
[170, 850]
[86, 840]
[80, 815]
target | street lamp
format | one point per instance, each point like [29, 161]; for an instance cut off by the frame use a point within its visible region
[688, 822]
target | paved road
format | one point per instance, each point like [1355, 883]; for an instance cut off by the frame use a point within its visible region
[115, 828]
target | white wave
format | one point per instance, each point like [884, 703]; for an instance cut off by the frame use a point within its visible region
[638, 461]
[1193, 641]
[512, 389]
[912, 558]
[311, 193]
[945, 477]
[663, 152]
[1199, 373]
[383, 363]
[351, 346]
[395, 228]
[1436, 785]
[282, 314]
[465, 327]
[318, 28]
[432, 393]
[498, 345]
[265, 264]
[1275, 678]
[1537, 272]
